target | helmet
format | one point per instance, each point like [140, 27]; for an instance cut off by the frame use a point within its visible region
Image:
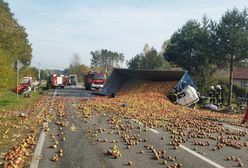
[218, 87]
[212, 87]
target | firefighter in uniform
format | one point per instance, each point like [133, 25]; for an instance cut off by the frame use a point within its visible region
[212, 95]
[218, 94]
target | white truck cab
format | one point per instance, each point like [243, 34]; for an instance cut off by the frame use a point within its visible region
[187, 96]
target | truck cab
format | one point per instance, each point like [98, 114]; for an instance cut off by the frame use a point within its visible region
[94, 80]
[55, 81]
[187, 96]
[73, 80]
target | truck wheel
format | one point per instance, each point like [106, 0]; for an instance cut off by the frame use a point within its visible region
[90, 88]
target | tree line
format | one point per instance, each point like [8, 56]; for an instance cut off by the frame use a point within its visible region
[202, 48]
[102, 60]
[14, 45]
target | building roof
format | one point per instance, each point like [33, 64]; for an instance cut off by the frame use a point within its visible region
[241, 74]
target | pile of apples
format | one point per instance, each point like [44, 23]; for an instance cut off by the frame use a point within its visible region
[87, 112]
[19, 154]
[148, 103]
[114, 151]
[22, 134]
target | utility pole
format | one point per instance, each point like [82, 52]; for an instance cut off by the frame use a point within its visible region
[230, 82]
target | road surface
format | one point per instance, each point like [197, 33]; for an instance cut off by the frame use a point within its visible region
[85, 142]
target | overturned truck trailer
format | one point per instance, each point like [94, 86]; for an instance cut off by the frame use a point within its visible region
[185, 90]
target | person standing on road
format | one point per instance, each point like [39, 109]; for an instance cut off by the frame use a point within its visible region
[212, 95]
[218, 94]
[246, 116]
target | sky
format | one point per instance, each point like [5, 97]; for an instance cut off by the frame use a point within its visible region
[57, 29]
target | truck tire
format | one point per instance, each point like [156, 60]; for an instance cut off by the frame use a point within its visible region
[86, 87]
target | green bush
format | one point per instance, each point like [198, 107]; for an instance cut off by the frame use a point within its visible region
[6, 73]
[239, 91]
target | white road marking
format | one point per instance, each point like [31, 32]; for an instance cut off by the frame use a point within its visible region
[54, 94]
[201, 157]
[189, 150]
[233, 127]
[153, 130]
[38, 149]
[37, 153]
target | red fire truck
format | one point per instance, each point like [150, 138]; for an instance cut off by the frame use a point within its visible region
[65, 80]
[56, 80]
[94, 80]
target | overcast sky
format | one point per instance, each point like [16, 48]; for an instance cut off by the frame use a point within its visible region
[59, 28]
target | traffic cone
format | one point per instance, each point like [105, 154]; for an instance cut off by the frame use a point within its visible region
[245, 117]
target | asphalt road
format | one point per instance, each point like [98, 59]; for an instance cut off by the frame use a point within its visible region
[86, 142]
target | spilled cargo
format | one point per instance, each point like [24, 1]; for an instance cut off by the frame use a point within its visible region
[183, 92]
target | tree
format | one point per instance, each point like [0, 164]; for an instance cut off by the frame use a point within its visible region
[43, 74]
[149, 59]
[243, 64]
[106, 60]
[6, 73]
[14, 45]
[83, 69]
[137, 62]
[231, 39]
[153, 59]
[13, 38]
[145, 51]
[190, 48]
[29, 71]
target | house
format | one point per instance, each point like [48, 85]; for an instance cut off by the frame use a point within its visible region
[240, 78]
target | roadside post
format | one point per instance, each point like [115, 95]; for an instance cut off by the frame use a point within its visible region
[18, 65]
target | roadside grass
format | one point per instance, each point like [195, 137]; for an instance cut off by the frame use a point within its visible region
[6, 140]
[8, 100]
[11, 127]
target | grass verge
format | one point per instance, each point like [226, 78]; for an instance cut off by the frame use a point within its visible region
[8, 100]
[13, 127]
